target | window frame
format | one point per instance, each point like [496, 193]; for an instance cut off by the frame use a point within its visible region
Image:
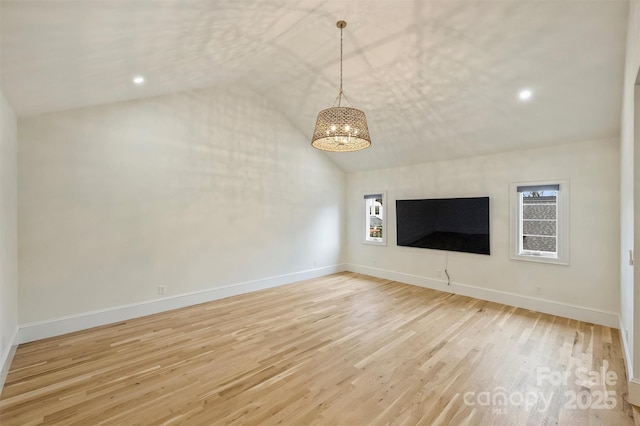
[382, 241]
[562, 224]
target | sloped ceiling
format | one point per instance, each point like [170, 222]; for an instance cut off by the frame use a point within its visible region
[437, 79]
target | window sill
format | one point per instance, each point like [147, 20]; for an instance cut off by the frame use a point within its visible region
[540, 259]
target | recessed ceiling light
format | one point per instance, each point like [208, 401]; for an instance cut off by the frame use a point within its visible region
[525, 94]
[138, 80]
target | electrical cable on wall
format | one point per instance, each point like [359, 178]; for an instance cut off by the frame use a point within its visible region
[446, 266]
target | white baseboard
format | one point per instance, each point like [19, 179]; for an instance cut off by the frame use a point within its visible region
[633, 388]
[7, 358]
[633, 385]
[626, 354]
[59, 326]
[595, 316]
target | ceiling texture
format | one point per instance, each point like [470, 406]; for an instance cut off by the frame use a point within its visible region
[437, 79]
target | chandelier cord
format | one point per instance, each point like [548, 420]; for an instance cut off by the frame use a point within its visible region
[340, 93]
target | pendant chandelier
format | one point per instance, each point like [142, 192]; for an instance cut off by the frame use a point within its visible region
[341, 129]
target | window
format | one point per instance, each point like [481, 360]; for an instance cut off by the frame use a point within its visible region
[374, 219]
[540, 221]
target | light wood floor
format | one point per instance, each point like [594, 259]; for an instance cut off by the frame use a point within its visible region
[343, 349]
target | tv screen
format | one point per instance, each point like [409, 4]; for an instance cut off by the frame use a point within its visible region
[454, 224]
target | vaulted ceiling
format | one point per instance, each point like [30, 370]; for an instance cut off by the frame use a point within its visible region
[437, 79]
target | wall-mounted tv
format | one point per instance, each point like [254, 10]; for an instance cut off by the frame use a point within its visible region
[453, 224]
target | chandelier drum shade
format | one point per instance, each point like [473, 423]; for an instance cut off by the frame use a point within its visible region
[339, 128]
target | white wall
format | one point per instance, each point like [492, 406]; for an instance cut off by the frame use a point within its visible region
[193, 191]
[8, 236]
[591, 279]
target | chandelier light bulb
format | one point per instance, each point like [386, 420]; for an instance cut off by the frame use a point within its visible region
[525, 94]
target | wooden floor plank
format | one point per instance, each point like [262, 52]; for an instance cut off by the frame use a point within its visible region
[341, 349]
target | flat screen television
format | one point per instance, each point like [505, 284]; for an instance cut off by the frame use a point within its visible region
[453, 224]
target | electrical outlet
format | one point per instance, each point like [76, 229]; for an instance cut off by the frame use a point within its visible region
[162, 289]
[631, 257]
[626, 334]
[538, 289]
[315, 262]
